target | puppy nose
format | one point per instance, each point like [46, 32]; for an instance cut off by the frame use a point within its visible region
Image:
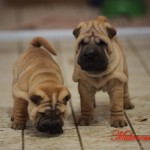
[52, 113]
[47, 112]
[56, 127]
[43, 126]
[90, 54]
[51, 122]
[51, 126]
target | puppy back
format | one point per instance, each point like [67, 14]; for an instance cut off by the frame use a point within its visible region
[40, 41]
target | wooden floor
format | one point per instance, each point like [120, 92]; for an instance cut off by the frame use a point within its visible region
[97, 136]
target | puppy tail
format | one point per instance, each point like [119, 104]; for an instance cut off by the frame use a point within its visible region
[40, 41]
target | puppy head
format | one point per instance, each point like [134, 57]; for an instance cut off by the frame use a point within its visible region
[47, 107]
[94, 45]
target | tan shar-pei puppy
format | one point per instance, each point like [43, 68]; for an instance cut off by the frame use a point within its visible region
[100, 64]
[38, 89]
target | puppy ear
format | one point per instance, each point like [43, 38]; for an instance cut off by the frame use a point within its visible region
[111, 32]
[76, 31]
[36, 99]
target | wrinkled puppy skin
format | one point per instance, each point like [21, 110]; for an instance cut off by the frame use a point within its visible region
[38, 89]
[100, 64]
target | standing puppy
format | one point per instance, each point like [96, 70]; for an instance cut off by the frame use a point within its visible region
[38, 89]
[100, 64]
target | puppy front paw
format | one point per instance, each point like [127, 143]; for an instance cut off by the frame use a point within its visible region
[84, 120]
[118, 122]
[128, 105]
[17, 125]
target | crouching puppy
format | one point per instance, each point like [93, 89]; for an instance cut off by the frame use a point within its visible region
[100, 64]
[38, 89]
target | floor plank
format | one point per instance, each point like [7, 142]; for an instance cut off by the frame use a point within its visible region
[142, 45]
[140, 85]
[8, 55]
[11, 142]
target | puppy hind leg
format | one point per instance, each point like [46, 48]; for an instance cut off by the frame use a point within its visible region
[19, 114]
[87, 97]
[126, 99]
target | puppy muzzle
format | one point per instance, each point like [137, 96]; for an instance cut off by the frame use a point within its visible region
[93, 59]
[50, 121]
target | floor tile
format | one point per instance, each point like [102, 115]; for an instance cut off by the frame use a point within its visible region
[101, 137]
[5, 117]
[10, 139]
[139, 90]
[8, 56]
[68, 140]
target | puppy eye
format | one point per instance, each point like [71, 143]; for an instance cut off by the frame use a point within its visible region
[101, 43]
[66, 99]
[36, 99]
[82, 43]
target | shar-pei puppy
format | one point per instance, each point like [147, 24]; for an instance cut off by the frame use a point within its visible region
[38, 89]
[100, 64]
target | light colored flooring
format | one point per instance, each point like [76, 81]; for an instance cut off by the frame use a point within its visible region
[99, 134]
